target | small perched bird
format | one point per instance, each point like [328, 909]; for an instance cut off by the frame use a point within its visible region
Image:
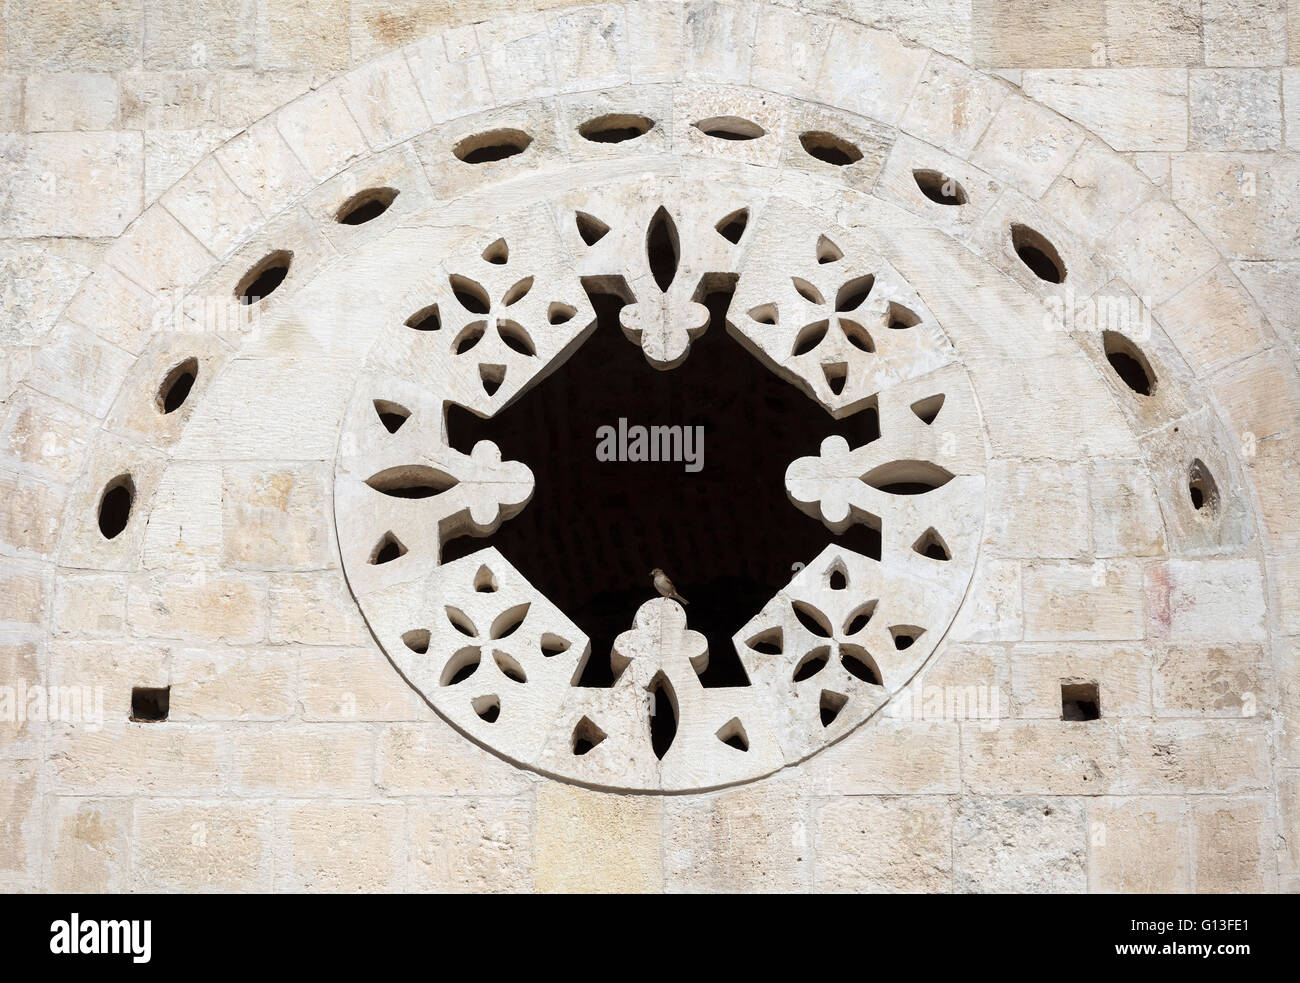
[665, 586]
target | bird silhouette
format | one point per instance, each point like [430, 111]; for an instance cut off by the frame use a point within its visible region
[665, 586]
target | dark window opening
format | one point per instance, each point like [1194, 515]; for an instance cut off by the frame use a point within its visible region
[115, 506]
[727, 535]
[1080, 701]
[150, 705]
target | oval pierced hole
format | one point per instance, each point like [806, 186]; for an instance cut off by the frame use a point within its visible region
[483, 148]
[1202, 489]
[391, 415]
[860, 618]
[807, 291]
[417, 640]
[115, 506]
[831, 704]
[859, 663]
[364, 206]
[927, 410]
[931, 545]
[560, 313]
[516, 338]
[487, 707]
[425, 319]
[812, 619]
[470, 295]
[485, 581]
[508, 621]
[388, 549]
[462, 665]
[1038, 254]
[733, 226]
[263, 279]
[812, 663]
[176, 386]
[767, 642]
[586, 735]
[590, 228]
[809, 337]
[663, 248]
[1129, 363]
[411, 481]
[732, 734]
[829, 148]
[905, 635]
[851, 296]
[663, 718]
[900, 318]
[730, 128]
[553, 645]
[510, 668]
[907, 477]
[939, 187]
[616, 128]
[858, 336]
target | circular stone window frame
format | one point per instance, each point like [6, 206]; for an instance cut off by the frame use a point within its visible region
[393, 140]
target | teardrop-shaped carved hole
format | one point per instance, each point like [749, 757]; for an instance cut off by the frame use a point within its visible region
[411, 481]
[560, 313]
[391, 415]
[417, 640]
[733, 226]
[767, 642]
[939, 188]
[492, 145]
[764, 313]
[827, 251]
[508, 621]
[931, 545]
[899, 318]
[837, 376]
[516, 338]
[510, 667]
[927, 409]
[485, 581]
[831, 704]
[463, 664]
[663, 718]
[859, 618]
[553, 645]
[425, 319]
[487, 707]
[590, 228]
[907, 477]
[732, 734]
[812, 663]
[905, 635]
[1202, 489]
[492, 377]
[663, 248]
[852, 295]
[616, 128]
[586, 735]
[730, 128]
[388, 549]
[497, 252]
[858, 662]
[470, 294]
[857, 335]
[837, 578]
[809, 337]
[812, 619]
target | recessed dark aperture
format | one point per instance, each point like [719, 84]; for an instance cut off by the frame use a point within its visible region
[264, 278]
[616, 128]
[176, 386]
[492, 145]
[939, 188]
[830, 148]
[594, 530]
[365, 206]
[730, 128]
[1039, 255]
[115, 506]
[1129, 363]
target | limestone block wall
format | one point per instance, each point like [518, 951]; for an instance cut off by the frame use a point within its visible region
[154, 154]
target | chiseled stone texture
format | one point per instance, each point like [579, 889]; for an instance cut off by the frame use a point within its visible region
[594, 842]
[1033, 845]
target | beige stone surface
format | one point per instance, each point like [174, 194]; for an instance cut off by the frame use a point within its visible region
[593, 842]
[1138, 846]
[887, 845]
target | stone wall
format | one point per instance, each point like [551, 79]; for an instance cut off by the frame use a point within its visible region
[149, 146]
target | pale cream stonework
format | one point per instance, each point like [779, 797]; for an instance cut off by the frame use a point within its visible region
[1151, 142]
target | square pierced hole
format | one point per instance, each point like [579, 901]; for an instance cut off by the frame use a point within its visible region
[149, 705]
[1080, 701]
